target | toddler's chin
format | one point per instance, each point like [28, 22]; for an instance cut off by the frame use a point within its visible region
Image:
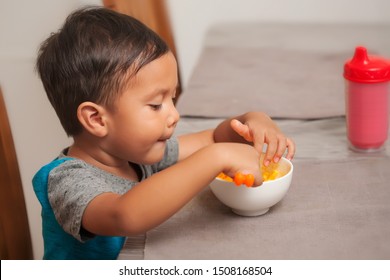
[154, 157]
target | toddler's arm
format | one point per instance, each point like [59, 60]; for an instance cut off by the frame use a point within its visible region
[157, 198]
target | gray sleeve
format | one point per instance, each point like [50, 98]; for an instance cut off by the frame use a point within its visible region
[74, 184]
[171, 155]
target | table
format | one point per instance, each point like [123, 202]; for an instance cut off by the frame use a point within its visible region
[338, 204]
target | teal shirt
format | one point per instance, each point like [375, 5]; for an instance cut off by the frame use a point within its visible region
[61, 245]
[64, 187]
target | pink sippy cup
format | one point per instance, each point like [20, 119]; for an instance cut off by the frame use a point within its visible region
[366, 97]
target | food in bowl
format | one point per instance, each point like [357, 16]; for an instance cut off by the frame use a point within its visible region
[256, 200]
[269, 172]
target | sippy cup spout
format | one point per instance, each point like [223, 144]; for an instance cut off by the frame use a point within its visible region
[360, 56]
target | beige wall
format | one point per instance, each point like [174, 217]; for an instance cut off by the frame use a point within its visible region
[24, 24]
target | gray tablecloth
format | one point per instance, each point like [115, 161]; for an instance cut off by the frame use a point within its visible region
[331, 212]
[337, 207]
[288, 71]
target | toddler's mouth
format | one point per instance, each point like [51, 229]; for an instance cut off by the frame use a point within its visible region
[162, 139]
[165, 138]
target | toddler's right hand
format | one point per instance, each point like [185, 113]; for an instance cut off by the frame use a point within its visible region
[241, 159]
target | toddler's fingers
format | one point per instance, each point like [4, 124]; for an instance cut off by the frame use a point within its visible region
[291, 148]
[257, 182]
[272, 145]
[258, 141]
[241, 129]
[281, 148]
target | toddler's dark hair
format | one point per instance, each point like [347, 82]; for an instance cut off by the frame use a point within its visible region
[91, 58]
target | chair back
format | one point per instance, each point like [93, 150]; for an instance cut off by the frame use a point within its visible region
[15, 239]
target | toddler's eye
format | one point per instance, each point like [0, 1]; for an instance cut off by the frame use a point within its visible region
[155, 107]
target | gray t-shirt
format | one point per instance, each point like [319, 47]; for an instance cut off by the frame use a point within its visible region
[74, 183]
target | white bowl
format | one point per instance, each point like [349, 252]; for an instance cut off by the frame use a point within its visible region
[257, 200]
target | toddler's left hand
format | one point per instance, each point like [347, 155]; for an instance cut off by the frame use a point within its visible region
[258, 128]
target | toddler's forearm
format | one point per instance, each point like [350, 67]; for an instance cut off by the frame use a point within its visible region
[156, 199]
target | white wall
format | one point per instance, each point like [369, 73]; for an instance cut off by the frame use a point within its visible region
[24, 24]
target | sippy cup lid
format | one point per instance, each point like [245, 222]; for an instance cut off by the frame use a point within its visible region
[363, 68]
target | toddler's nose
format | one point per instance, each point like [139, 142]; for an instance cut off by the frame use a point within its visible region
[173, 117]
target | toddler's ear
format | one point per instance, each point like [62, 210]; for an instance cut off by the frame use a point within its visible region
[92, 118]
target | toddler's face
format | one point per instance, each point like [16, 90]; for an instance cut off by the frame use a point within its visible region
[145, 115]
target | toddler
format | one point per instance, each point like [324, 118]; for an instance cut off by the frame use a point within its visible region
[112, 83]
